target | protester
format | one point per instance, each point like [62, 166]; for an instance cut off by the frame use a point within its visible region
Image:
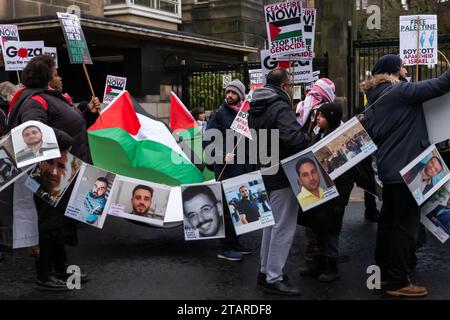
[222, 120]
[396, 123]
[37, 102]
[200, 117]
[271, 109]
[7, 91]
[326, 220]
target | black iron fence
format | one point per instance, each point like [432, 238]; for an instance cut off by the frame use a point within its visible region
[366, 54]
[202, 86]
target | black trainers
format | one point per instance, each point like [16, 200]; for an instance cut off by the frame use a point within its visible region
[230, 255]
[242, 250]
[52, 284]
[261, 279]
[282, 288]
[313, 269]
[64, 276]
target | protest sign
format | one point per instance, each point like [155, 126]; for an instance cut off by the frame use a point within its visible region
[284, 28]
[50, 179]
[437, 117]
[138, 200]
[248, 202]
[310, 183]
[425, 174]
[226, 79]
[436, 214]
[315, 77]
[8, 32]
[419, 33]
[344, 148]
[256, 79]
[17, 54]
[113, 88]
[309, 30]
[52, 52]
[75, 40]
[203, 211]
[302, 71]
[9, 172]
[34, 142]
[90, 193]
[240, 123]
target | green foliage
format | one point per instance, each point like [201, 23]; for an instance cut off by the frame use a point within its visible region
[206, 89]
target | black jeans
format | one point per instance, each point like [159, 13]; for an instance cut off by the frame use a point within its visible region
[370, 202]
[52, 257]
[398, 228]
[231, 239]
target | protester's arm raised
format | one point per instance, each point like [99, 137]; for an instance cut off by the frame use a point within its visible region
[422, 91]
[33, 110]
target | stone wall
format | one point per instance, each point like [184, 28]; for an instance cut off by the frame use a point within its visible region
[13, 9]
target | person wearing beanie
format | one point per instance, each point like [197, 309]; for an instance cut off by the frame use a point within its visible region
[396, 123]
[325, 221]
[231, 248]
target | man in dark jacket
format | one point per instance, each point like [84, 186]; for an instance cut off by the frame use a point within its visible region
[271, 109]
[222, 120]
[396, 123]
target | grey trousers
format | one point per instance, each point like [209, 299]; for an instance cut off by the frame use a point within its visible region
[277, 239]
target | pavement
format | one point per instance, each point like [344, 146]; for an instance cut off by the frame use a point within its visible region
[126, 261]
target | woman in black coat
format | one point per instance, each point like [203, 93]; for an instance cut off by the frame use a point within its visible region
[37, 102]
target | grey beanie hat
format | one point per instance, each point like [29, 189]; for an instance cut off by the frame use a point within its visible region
[237, 87]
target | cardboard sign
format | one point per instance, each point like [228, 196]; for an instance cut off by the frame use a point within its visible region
[51, 51]
[426, 28]
[114, 86]
[8, 32]
[285, 28]
[17, 54]
[256, 79]
[75, 40]
[302, 70]
[240, 123]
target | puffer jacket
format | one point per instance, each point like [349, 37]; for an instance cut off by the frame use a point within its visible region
[270, 109]
[396, 122]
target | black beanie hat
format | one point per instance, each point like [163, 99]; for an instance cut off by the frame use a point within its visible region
[387, 64]
[333, 113]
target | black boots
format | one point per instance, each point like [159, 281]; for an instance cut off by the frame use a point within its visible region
[330, 273]
[323, 268]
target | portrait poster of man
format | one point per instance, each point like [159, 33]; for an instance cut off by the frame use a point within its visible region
[344, 148]
[310, 183]
[138, 200]
[425, 174]
[89, 196]
[8, 168]
[202, 211]
[50, 178]
[248, 202]
[34, 142]
[436, 214]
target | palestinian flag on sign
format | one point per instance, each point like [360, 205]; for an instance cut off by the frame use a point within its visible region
[285, 29]
[128, 141]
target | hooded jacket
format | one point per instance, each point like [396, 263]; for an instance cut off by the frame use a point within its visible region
[270, 109]
[396, 122]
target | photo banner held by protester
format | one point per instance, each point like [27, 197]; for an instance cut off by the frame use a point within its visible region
[284, 28]
[113, 87]
[248, 201]
[17, 54]
[426, 28]
[425, 174]
[8, 32]
[76, 42]
[436, 214]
